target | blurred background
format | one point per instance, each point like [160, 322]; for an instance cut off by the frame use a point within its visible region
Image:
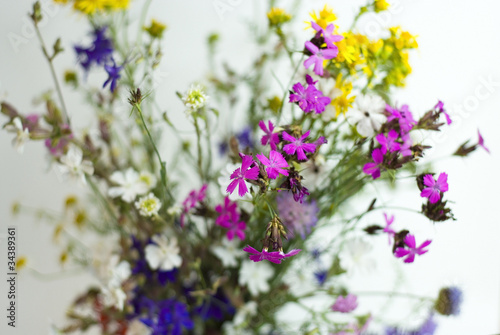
[457, 62]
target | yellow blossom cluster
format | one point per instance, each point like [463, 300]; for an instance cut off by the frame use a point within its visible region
[90, 7]
[278, 16]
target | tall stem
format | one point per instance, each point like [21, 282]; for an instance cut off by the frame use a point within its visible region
[198, 144]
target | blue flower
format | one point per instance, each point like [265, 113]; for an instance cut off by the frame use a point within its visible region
[215, 307]
[172, 318]
[321, 276]
[98, 53]
[113, 75]
[245, 138]
[449, 301]
[427, 328]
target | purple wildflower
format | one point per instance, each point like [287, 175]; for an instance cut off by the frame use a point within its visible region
[387, 229]
[269, 137]
[389, 142]
[427, 328]
[481, 142]
[298, 145]
[328, 35]
[309, 98]
[193, 198]
[434, 188]
[345, 305]
[301, 97]
[412, 249]
[245, 138]
[98, 53]
[449, 301]
[240, 174]
[113, 75]
[31, 121]
[321, 276]
[275, 164]
[373, 168]
[273, 256]
[172, 318]
[440, 109]
[299, 218]
[403, 115]
[230, 218]
[405, 148]
[318, 56]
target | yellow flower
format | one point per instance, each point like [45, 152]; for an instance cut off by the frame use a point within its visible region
[155, 29]
[381, 5]
[117, 4]
[342, 102]
[274, 104]
[61, 1]
[89, 6]
[21, 262]
[324, 18]
[278, 16]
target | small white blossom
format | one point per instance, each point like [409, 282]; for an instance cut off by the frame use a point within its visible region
[255, 275]
[74, 164]
[229, 328]
[136, 327]
[244, 312]
[228, 252]
[148, 205]
[164, 254]
[368, 114]
[195, 98]
[114, 297]
[22, 135]
[130, 185]
[354, 256]
[174, 210]
[117, 274]
[148, 179]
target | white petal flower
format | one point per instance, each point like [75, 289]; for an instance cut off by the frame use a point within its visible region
[22, 135]
[136, 327]
[114, 297]
[255, 276]
[354, 256]
[164, 254]
[74, 164]
[195, 98]
[130, 185]
[118, 273]
[244, 312]
[148, 179]
[368, 114]
[148, 205]
[229, 328]
[229, 252]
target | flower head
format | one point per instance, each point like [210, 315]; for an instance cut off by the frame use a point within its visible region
[155, 29]
[195, 98]
[269, 137]
[324, 17]
[113, 75]
[255, 276]
[98, 53]
[22, 134]
[434, 188]
[318, 56]
[298, 217]
[389, 142]
[345, 304]
[240, 174]
[367, 114]
[74, 164]
[411, 249]
[481, 142]
[440, 109]
[328, 35]
[148, 205]
[274, 164]
[373, 168]
[278, 16]
[163, 253]
[230, 218]
[449, 301]
[194, 197]
[298, 145]
[129, 185]
[403, 115]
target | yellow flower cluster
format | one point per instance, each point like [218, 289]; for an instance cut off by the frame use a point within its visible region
[155, 29]
[380, 5]
[90, 7]
[342, 101]
[396, 51]
[278, 16]
[323, 18]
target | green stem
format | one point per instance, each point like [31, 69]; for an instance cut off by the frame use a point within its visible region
[198, 144]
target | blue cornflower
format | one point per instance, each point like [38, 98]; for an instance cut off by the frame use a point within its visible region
[113, 75]
[215, 307]
[449, 301]
[98, 53]
[172, 318]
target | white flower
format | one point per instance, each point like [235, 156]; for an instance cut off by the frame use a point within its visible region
[130, 185]
[73, 163]
[22, 135]
[148, 205]
[228, 253]
[300, 278]
[195, 98]
[229, 328]
[255, 276]
[354, 256]
[174, 210]
[368, 114]
[136, 327]
[245, 311]
[113, 297]
[163, 254]
[117, 274]
[148, 179]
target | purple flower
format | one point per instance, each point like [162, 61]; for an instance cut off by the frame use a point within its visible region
[449, 301]
[245, 138]
[427, 328]
[298, 217]
[57, 146]
[405, 117]
[113, 75]
[31, 121]
[321, 276]
[215, 306]
[269, 137]
[318, 102]
[273, 256]
[298, 145]
[387, 228]
[373, 169]
[481, 142]
[301, 97]
[193, 198]
[328, 35]
[345, 305]
[318, 56]
[412, 249]
[389, 142]
[98, 53]
[405, 148]
[440, 109]
[240, 174]
[230, 218]
[309, 98]
[434, 188]
[172, 318]
[275, 164]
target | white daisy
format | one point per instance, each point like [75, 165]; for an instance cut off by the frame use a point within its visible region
[148, 205]
[195, 98]
[74, 164]
[228, 252]
[164, 254]
[22, 135]
[130, 185]
[255, 276]
[367, 114]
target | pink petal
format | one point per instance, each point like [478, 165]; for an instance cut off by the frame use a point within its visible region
[435, 196]
[410, 241]
[232, 186]
[242, 187]
[253, 173]
[401, 252]
[251, 250]
[263, 159]
[410, 258]
[429, 180]
[311, 47]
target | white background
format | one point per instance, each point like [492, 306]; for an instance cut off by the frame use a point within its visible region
[459, 48]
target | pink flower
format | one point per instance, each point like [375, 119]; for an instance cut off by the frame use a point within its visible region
[269, 137]
[328, 35]
[309, 98]
[192, 199]
[389, 142]
[388, 229]
[230, 218]
[481, 142]
[273, 256]
[405, 148]
[374, 168]
[318, 56]
[274, 164]
[440, 109]
[240, 174]
[405, 117]
[412, 249]
[434, 189]
[345, 305]
[298, 145]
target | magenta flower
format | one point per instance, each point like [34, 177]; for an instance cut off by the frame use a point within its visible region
[481, 142]
[298, 145]
[275, 164]
[269, 137]
[273, 256]
[405, 148]
[230, 218]
[440, 109]
[405, 117]
[301, 97]
[412, 249]
[373, 168]
[190, 202]
[31, 121]
[388, 229]
[309, 98]
[240, 174]
[318, 102]
[318, 56]
[345, 305]
[389, 142]
[434, 188]
[328, 35]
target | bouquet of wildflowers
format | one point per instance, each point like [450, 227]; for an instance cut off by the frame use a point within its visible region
[241, 231]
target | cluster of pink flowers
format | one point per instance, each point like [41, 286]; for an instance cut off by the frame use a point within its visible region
[319, 55]
[194, 197]
[309, 99]
[229, 217]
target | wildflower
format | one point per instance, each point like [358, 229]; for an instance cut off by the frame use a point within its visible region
[58, 145]
[230, 218]
[299, 218]
[380, 5]
[324, 17]
[434, 188]
[273, 256]
[278, 16]
[427, 328]
[403, 115]
[155, 29]
[328, 35]
[193, 198]
[172, 318]
[22, 134]
[73, 163]
[345, 305]
[387, 229]
[114, 297]
[148, 205]
[449, 301]
[412, 250]
[239, 175]
[298, 145]
[148, 179]
[113, 75]
[255, 276]
[341, 100]
[321, 276]
[275, 164]
[440, 109]
[130, 185]
[195, 98]
[481, 142]
[318, 56]
[215, 306]
[245, 138]
[294, 184]
[405, 148]
[163, 254]
[228, 252]
[269, 137]
[98, 53]
[367, 114]
[373, 168]
[89, 6]
[388, 142]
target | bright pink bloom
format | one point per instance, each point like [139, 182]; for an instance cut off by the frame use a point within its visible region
[273, 256]
[192, 199]
[481, 142]
[240, 174]
[405, 148]
[328, 35]
[374, 168]
[345, 305]
[405, 117]
[440, 108]
[389, 142]
[388, 229]
[412, 249]
[318, 56]
[230, 218]
[298, 145]
[309, 99]
[275, 164]
[434, 188]
[269, 137]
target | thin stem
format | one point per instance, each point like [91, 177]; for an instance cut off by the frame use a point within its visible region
[198, 144]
